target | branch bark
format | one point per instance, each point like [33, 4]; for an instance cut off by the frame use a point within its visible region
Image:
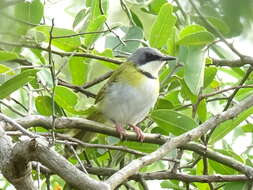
[178, 141]
[15, 164]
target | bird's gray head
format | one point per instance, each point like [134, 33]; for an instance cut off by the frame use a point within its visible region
[146, 54]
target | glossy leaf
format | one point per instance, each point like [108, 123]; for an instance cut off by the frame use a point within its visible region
[78, 69]
[163, 26]
[67, 44]
[17, 82]
[195, 35]
[173, 122]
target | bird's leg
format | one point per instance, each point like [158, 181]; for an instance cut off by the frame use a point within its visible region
[139, 133]
[120, 130]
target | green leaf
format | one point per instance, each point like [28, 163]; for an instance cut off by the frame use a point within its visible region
[93, 26]
[171, 184]
[78, 69]
[5, 69]
[227, 126]
[17, 82]
[107, 53]
[202, 111]
[194, 67]
[210, 73]
[187, 94]
[143, 147]
[131, 44]
[6, 56]
[173, 122]
[67, 99]
[219, 24]
[81, 16]
[156, 5]
[43, 105]
[30, 11]
[195, 35]
[66, 44]
[163, 26]
[247, 128]
[235, 186]
[163, 103]
[221, 169]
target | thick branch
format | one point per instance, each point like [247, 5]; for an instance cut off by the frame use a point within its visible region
[233, 63]
[13, 166]
[178, 141]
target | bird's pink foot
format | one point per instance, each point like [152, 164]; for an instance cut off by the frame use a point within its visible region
[121, 131]
[139, 133]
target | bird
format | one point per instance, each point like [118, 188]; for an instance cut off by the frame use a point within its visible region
[131, 91]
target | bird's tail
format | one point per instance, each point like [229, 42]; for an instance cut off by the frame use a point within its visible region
[87, 136]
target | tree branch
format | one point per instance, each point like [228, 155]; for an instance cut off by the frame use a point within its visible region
[13, 167]
[178, 141]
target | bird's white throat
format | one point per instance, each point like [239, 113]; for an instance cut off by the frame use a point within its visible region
[152, 67]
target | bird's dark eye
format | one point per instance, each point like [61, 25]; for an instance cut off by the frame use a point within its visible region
[152, 57]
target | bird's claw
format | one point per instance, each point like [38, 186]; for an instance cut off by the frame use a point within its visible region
[139, 133]
[121, 131]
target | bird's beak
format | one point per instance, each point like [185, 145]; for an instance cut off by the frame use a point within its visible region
[168, 58]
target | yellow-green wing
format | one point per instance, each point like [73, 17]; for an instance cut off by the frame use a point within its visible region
[114, 77]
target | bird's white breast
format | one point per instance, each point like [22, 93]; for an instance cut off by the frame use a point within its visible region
[126, 104]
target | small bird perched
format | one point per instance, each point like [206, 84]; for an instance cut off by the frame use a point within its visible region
[131, 91]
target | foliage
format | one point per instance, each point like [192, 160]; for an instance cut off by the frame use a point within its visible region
[45, 65]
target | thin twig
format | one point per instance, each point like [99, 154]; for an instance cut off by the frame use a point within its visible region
[85, 33]
[78, 159]
[97, 80]
[87, 55]
[108, 27]
[250, 69]
[76, 88]
[17, 126]
[53, 76]
[12, 109]
[217, 32]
